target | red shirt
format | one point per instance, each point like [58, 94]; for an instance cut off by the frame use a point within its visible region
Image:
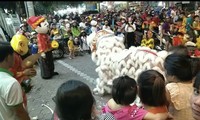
[44, 43]
[177, 41]
[143, 16]
[156, 20]
[17, 70]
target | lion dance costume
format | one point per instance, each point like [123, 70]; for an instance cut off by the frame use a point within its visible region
[113, 60]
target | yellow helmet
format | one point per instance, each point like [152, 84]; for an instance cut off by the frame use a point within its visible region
[54, 44]
[19, 43]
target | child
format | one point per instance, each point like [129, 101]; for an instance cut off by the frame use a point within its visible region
[74, 101]
[195, 99]
[151, 86]
[179, 87]
[124, 93]
[71, 47]
[196, 25]
[85, 46]
[148, 40]
[34, 46]
[77, 46]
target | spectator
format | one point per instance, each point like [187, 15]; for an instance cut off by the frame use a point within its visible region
[75, 29]
[24, 30]
[152, 93]
[106, 25]
[71, 47]
[148, 40]
[138, 31]
[33, 45]
[195, 99]
[124, 93]
[179, 87]
[179, 50]
[85, 46]
[166, 31]
[77, 46]
[54, 30]
[130, 36]
[196, 25]
[57, 36]
[74, 101]
[183, 17]
[93, 24]
[189, 21]
[11, 100]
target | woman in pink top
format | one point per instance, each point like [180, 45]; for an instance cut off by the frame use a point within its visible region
[124, 93]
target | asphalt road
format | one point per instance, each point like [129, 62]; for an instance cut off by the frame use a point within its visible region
[81, 68]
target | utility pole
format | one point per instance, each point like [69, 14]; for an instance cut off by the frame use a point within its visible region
[29, 8]
[127, 5]
[99, 6]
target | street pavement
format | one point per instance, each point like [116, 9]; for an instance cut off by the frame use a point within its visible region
[40, 98]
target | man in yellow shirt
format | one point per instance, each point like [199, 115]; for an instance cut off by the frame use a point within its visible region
[184, 18]
[196, 25]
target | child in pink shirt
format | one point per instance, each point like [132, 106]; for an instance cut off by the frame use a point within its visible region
[124, 93]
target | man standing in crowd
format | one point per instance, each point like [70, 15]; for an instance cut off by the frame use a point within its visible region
[11, 100]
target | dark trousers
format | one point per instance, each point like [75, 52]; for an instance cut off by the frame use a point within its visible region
[47, 65]
[130, 39]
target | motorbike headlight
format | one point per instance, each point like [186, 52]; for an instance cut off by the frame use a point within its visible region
[54, 44]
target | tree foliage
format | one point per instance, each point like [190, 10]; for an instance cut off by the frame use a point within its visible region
[10, 5]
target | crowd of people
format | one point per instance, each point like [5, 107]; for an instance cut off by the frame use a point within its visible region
[139, 28]
[173, 96]
[74, 100]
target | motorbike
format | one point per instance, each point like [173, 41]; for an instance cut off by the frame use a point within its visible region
[160, 43]
[59, 51]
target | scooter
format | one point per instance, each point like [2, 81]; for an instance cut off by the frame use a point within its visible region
[161, 42]
[60, 51]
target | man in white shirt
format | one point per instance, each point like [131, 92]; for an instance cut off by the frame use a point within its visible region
[106, 26]
[94, 26]
[11, 100]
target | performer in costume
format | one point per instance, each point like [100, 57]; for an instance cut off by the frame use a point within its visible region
[41, 26]
[21, 71]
